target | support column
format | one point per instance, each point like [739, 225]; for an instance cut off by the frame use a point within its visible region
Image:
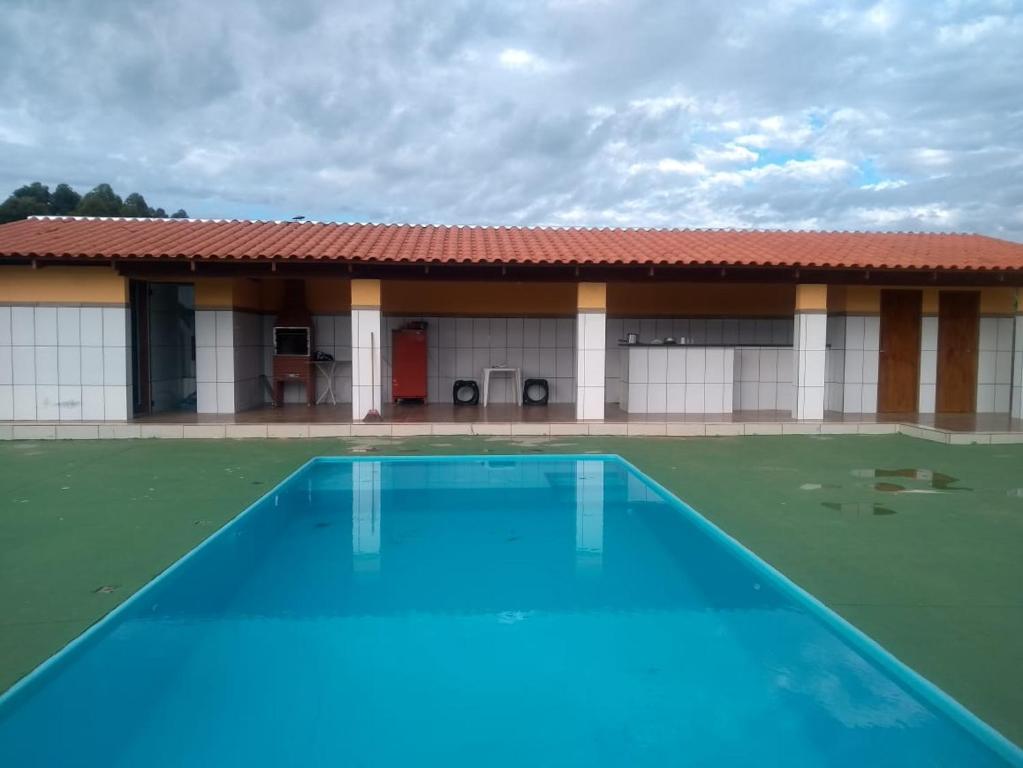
[366, 370]
[808, 351]
[1017, 359]
[591, 320]
[927, 396]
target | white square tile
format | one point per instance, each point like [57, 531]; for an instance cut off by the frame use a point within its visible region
[47, 398]
[852, 397]
[927, 398]
[714, 371]
[928, 367]
[323, 331]
[749, 395]
[988, 334]
[480, 360]
[115, 403]
[115, 327]
[46, 326]
[657, 365]
[481, 332]
[663, 327]
[1003, 367]
[786, 397]
[115, 366]
[69, 365]
[6, 402]
[6, 366]
[499, 332]
[23, 363]
[675, 396]
[24, 402]
[69, 403]
[46, 365]
[748, 367]
[225, 365]
[657, 398]
[869, 401]
[696, 366]
[986, 366]
[854, 332]
[713, 398]
[637, 398]
[92, 402]
[647, 329]
[593, 367]
[91, 326]
[985, 398]
[676, 371]
[206, 328]
[638, 366]
[548, 333]
[69, 331]
[566, 332]
[225, 328]
[1002, 392]
[694, 398]
[870, 365]
[565, 362]
[767, 395]
[225, 398]
[206, 364]
[871, 332]
[206, 397]
[854, 366]
[1005, 328]
[730, 331]
[23, 325]
[929, 333]
[5, 326]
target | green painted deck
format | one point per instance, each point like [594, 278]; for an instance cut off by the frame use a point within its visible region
[937, 578]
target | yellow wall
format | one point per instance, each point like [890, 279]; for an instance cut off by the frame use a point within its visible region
[592, 297]
[664, 299]
[866, 299]
[62, 285]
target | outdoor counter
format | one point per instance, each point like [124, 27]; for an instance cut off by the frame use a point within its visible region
[677, 379]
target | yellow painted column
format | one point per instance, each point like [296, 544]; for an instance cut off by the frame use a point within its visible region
[591, 322]
[367, 389]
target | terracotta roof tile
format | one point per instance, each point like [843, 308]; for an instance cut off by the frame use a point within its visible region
[81, 238]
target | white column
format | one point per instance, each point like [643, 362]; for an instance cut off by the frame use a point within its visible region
[928, 363]
[366, 369]
[214, 361]
[366, 516]
[591, 321]
[589, 514]
[808, 353]
[1017, 367]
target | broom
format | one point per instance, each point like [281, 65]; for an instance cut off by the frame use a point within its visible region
[372, 415]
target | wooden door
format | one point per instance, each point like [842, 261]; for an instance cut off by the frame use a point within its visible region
[898, 372]
[958, 331]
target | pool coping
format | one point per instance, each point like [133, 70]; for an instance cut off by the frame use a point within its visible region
[977, 728]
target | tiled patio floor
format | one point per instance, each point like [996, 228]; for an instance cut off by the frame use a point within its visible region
[443, 419]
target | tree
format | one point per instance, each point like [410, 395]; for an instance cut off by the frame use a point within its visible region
[18, 207]
[180, 213]
[135, 207]
[34, 191]
[64, 200]
[101, 201]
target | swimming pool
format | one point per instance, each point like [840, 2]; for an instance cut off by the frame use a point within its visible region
[541, 610]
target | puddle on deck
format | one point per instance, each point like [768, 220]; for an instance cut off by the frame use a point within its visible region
[859, 508]
[937, 482]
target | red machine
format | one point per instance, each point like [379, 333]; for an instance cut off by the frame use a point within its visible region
[408, 364]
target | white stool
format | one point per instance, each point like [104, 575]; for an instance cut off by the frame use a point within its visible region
[326, 369]
[516, 374]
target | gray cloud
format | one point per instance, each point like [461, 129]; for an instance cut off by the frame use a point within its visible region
[866, 115]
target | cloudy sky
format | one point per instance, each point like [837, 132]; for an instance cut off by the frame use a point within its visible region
[781, 113]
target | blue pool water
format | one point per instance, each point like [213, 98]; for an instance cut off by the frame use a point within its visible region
[536, 611]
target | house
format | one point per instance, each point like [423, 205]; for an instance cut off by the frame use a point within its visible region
[117, 319]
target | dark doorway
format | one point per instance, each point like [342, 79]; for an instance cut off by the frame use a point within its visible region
[163, 347]
[898, 372]
[958, 331]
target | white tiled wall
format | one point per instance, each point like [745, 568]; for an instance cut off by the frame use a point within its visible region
[834, 364]
[746, 331]
[1017, 368]
[928, 364]
[808, 349]
[994, 364]
[64, 363]
[461, 347]
[368, 336]
[859, 363]
[228, 360]
[690, 379]
[763, 379]
[589, 371]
